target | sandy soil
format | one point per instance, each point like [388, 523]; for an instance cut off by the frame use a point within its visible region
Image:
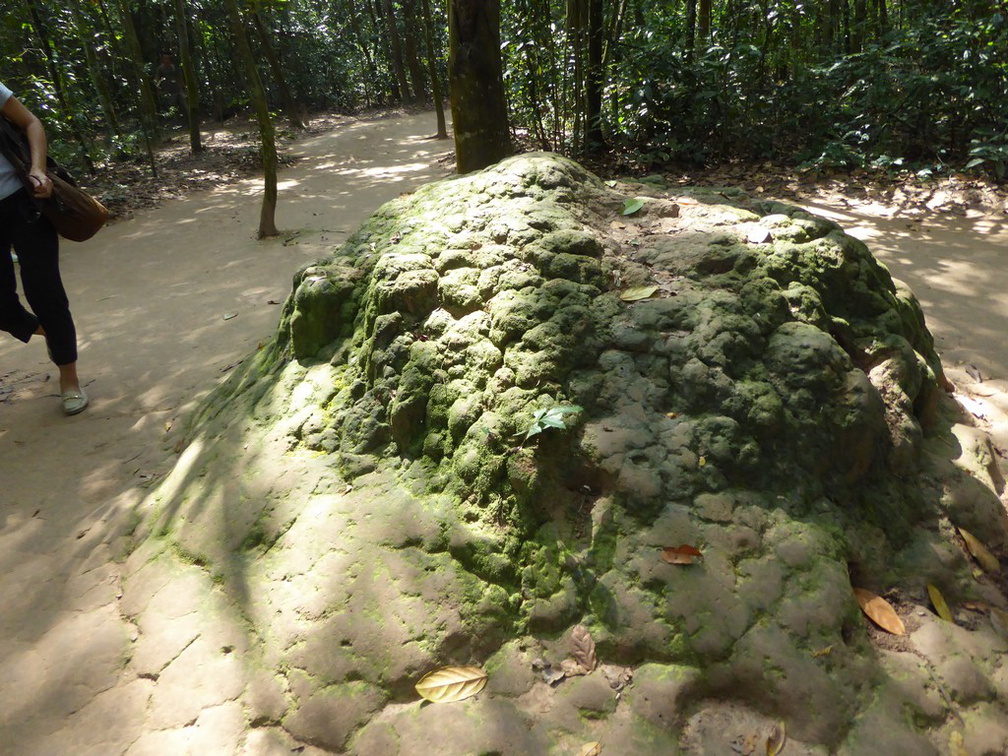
[168, 302]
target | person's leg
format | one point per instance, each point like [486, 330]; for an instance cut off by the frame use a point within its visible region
[14, 318]
[38, 249]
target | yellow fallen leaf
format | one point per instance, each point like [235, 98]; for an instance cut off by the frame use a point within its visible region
[450, 684]
[984, 558]
[822, 652]
[938, 601]
[702, 461]
[590, 749]
[637, 293]
[880, 611]
[775, 742]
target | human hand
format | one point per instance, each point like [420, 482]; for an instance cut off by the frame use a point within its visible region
[41, 184]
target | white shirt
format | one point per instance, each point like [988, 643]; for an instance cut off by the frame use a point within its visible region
[9, 182]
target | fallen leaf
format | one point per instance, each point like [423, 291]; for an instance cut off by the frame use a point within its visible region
[631, 206]
[450, 684]
[976, 606]
[590, 749]
[618, 225]
[880, 611]
[938, 601]
[583, 648]
[775, 741]
[572, 668]
[702, 462]
[686, 201]
[611, 183]
[984, 558]
[553, 675]
[684, 554]
[822, 652]
[272, 302]
[230, 315]
[974, 372]
[637, 293]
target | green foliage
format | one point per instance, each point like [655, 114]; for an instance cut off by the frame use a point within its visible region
[550, 417]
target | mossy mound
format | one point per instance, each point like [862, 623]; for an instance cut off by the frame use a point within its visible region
[772, 398]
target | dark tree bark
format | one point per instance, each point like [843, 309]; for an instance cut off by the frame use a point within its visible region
[267, 217]
[691, 18]
[704, 22]
[189, 75]
[396, 43]
[372, 71]
[479, 110]
[290, 107]
[442, 127]
[416, 71]
[596, 77]
[147, 105]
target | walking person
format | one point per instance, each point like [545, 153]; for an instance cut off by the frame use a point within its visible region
[36, 243]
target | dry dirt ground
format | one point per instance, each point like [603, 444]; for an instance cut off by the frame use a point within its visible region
[169, 299]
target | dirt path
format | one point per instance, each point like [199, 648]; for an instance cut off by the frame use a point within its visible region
[165, 305]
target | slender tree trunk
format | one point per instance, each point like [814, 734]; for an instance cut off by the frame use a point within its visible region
[290, 108]
[378, 22]
[57, 82]
[372, 71]
[98, 77]
[189, 75]
[397, 56]
[691, 19]
[704, 22]
[596, 77]
[267, 217]
[147, 106]
[442, 127]
[479, 110]
[409, 50]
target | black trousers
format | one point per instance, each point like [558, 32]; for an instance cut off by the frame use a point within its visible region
[37, 246]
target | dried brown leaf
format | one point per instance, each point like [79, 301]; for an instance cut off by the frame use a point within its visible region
[880, 611]
[984, 558]
[938, 602]
[684, 554]
[450, 684]
[776, 740]
[572, 668]
[590, 749]
[553, 676]
[583, 648]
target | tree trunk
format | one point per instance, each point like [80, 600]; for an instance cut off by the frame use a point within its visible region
[372, 72]
[290, 108]
[267, 217]
[691, 19]
[189, 75]
[596, 77]
[479, 110]
[442, 127]
[57, 82]
[147, 105]
[409, 49]
[98, 77]
[397, 56]
[704, 23]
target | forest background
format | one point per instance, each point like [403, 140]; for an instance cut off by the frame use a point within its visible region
[912, 86]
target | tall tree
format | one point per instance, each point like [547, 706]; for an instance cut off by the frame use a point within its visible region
[396, 46]
[442, 128]
[479, 110]
[267, 216]
[189, 75]
[290, 107]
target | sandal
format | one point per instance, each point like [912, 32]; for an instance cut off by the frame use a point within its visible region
[74, 402]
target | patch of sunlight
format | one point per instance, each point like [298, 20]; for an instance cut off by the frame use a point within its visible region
[383, 171]
[180, 472]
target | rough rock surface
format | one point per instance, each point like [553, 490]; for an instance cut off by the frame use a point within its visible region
[365, 501]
